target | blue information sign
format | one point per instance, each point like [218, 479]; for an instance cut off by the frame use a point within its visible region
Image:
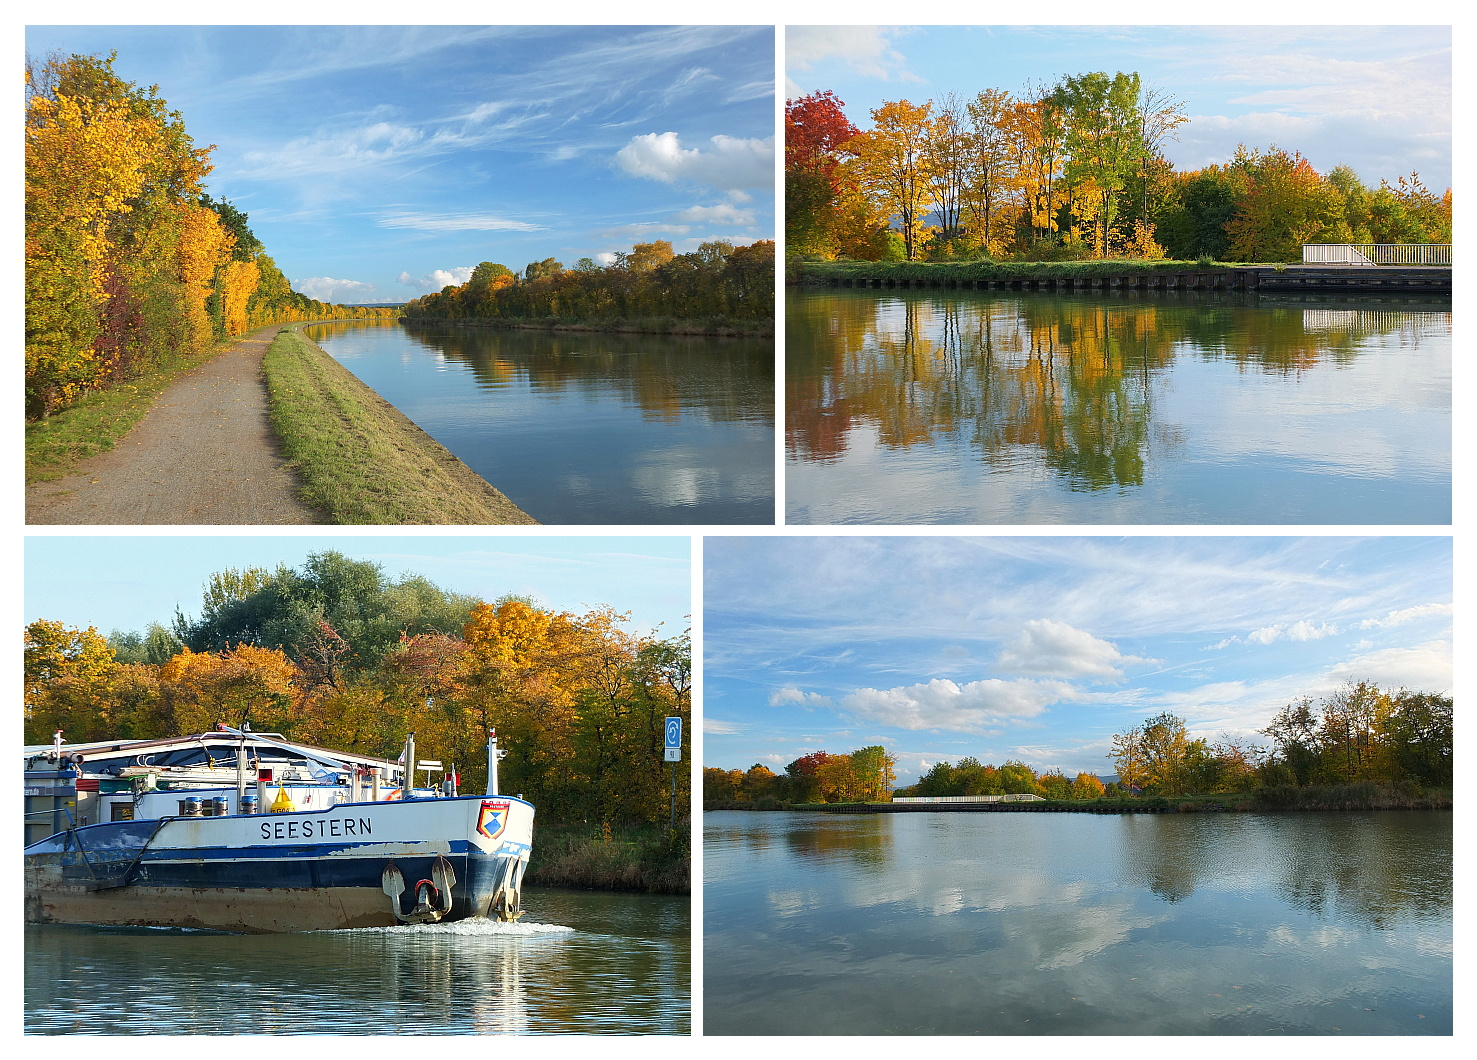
[674, 740]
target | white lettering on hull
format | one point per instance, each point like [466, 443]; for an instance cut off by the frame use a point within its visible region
[330, 828]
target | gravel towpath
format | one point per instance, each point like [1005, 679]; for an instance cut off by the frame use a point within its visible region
[204, 455]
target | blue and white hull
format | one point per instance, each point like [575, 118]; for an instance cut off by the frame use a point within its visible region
[351, 865]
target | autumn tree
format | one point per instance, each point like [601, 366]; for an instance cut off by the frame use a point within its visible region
[1282, 203]
[816, 130]
[948, 166]
[891, 162]
[1086, 786]
[990, 173]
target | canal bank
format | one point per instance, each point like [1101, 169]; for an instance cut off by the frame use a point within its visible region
[359, 459]
[722, 327]
[585, 427]
[1068, 277]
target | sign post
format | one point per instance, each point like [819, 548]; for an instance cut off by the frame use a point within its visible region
[674, 755]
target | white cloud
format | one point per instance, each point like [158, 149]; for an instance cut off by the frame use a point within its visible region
[942, 704]
[438, 278]
[731, 163]
[1048, 647]
[1409, 614]
[1301, 630]
[714, 727]
[327, 289]
[785, 696]
[430, 222]
[605, 257]
[722, 214]
[1425, 668]
[866, 50]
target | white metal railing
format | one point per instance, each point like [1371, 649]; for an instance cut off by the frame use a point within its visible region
[970, 798]
[1377, 254]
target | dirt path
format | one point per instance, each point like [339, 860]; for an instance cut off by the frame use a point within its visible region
[205, 454]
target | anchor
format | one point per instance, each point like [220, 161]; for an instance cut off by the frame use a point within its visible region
[507, 902]
[432, 897]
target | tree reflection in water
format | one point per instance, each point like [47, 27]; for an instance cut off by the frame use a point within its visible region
[1037, 378]
[1369, 867]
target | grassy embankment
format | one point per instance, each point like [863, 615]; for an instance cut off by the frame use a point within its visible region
[359, 458]
[96, 423]
[1363, 796]
[625, 858]
[719, 326]
[952, 271]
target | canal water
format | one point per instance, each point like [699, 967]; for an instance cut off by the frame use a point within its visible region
[1028, 923]
[577, 963]
[585, 427]
[1025, 407]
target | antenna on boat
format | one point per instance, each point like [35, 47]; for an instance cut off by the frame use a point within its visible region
[407, 790]
[493, 754]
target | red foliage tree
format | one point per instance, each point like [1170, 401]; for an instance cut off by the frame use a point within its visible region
[815, 129]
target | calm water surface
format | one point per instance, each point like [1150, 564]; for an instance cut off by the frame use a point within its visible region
[1025, 407]
[578, 962]
[582, 427]
[1312, 923]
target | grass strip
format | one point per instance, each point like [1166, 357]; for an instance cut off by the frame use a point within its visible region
[359, 459]
[625, 858]
[55, 445]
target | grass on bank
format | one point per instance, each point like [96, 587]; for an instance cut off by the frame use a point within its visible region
[948, 271]
[1360, 796]
[612, 858]
[727, 327]
[55, 445]
[359, 459]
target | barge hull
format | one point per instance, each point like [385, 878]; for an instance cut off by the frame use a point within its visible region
[287, 872]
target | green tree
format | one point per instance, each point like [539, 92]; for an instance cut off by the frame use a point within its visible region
[1017, 778]
[1104, 126]
[875, 773]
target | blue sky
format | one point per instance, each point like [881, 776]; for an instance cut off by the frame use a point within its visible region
[1377, 98]
[381, 162]
[127, 582]
[1041, 648]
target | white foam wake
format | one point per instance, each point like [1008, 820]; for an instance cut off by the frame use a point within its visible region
[472, 926]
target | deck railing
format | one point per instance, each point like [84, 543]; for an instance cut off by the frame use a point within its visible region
[1377, 254]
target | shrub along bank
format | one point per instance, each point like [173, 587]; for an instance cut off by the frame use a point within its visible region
[1360, 796]
[359, 459]
[612, 858]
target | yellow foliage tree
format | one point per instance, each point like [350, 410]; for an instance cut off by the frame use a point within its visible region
[891, 164]
[245, 684]
[84, 161]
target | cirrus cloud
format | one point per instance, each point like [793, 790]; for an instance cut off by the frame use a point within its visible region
[433, 222]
